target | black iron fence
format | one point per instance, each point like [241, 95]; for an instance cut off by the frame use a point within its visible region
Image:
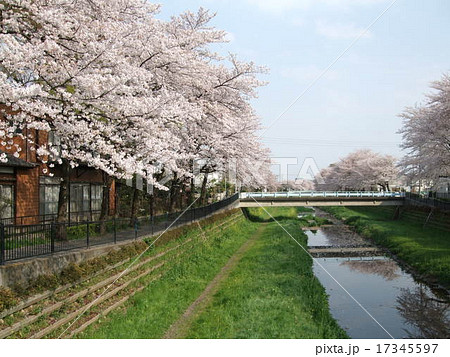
[443, 195]
[32, 240]
[417, 200]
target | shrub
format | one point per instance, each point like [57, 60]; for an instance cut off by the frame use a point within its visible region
[44, 282]
[72, 273]
[7, 298]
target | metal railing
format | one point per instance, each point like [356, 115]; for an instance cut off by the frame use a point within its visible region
[306, 194]
[417, 200]
[443, 195]
[33, 240]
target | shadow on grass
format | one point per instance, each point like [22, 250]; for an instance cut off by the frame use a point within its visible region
[260, 215]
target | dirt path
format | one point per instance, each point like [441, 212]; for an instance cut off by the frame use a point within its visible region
[180, 327]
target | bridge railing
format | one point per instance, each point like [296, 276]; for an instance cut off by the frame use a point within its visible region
[329, 194]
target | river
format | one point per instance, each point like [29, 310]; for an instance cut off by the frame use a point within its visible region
[396, 305]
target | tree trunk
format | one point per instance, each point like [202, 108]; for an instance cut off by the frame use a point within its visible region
[104, 212]
[117, 200]
[152, 205]
[173, 194]
[63, 201]
[134, 206]
[227, 187]
[191, 196]
[203, 191]
[180, 197]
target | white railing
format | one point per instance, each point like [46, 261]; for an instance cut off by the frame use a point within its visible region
[300, 194]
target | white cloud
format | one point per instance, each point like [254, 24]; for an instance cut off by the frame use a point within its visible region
[339, 30]
[304, 74]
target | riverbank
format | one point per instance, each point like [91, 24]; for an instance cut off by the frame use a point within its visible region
[425, 250]
[251, 280]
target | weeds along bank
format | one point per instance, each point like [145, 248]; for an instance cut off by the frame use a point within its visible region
[49, 299]
[269, 290]
[425, 248]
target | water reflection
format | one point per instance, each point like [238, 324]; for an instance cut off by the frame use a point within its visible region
[334, 236]
[427, 316]
[403, 307]
[386, 268]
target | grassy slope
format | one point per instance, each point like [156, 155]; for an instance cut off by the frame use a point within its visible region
[426, 249]
[151, 312]
[271, 293]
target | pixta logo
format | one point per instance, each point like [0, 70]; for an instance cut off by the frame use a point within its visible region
[308, 171]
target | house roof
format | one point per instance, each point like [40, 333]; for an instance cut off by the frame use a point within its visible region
[15, 162]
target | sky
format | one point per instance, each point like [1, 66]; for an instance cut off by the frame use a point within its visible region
[356, 103]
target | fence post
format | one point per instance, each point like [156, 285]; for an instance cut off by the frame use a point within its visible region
[2, 244]
[115, 230]
[87, 235]
[52, 236]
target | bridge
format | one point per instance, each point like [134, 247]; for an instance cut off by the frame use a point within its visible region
[320, 198]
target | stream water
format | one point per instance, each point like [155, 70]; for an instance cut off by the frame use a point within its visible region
[401, 306]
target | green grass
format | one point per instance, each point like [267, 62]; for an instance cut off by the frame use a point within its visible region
[271, 293]
[427, 250]
[151, 312]
[258, 214]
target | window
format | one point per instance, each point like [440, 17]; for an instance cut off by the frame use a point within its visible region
[6, 170]
[85, 197]
[6, 201]
[79, 198]
[96, 197]
[48, 199]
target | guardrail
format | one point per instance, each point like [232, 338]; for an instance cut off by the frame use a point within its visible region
[306, 194]
[33, 240]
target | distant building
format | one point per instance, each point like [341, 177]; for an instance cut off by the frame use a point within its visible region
[443, 187]
[28, 194]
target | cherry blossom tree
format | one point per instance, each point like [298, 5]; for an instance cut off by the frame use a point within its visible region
[426, 136]
[64, 69]
[126, 93]
[360, 170]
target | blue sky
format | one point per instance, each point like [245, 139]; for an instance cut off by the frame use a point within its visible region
[356, 104]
